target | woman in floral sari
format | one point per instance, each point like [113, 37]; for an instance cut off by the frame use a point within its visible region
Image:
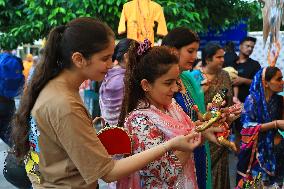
[153, 117]
[262, 149]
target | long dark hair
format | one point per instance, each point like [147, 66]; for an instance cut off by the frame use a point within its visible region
[151, 65]
[84, 35]
[121, 48]
[180, 37]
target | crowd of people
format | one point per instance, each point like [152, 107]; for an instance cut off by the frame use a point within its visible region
[153, 92]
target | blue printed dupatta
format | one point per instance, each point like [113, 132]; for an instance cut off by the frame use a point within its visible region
[256, 112]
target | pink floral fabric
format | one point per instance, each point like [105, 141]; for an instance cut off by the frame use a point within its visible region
[150, 127]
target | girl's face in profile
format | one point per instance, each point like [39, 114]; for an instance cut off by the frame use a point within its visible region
[100, 63]
[160, 93]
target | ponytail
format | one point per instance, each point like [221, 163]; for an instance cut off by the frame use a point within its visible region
[131, 85]
[48, 68]
[84, 35]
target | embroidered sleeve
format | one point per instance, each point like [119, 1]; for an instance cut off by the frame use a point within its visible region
[146, 135]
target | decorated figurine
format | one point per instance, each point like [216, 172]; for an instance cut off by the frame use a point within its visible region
[212, 117]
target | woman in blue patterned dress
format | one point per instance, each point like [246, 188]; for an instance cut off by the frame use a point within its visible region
[262, 148]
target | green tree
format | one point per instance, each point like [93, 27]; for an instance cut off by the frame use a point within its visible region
[23, 21]
[222, 14]
[255, 19]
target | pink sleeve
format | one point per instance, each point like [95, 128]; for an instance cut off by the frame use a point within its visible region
[146, 135]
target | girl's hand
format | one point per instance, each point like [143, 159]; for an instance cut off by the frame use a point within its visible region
[185, 143]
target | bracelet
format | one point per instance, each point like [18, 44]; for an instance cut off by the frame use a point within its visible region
[275, 124]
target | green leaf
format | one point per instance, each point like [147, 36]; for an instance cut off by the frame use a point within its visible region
[2, 3]
[40, 11]
[18, 13]
[61, 10]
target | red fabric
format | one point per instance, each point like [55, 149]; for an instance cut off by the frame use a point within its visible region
[115, 140]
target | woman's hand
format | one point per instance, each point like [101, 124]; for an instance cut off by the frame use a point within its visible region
[209, 134]
[185, 143]
[205, 84]
[236, 109]
[276, 124]
[236, 100]
[232, 117]
[233, 112]
[280, 124]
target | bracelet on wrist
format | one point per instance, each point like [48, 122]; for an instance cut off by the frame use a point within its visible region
[275, 124]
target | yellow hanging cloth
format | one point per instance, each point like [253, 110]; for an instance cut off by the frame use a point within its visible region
[140, 16]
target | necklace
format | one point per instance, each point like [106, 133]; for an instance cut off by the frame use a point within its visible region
[188, 102]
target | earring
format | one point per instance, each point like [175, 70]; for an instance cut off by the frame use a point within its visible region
[145, 90]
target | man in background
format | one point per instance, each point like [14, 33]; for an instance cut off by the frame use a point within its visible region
[246, 68]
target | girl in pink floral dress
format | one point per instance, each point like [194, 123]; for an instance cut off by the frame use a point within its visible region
[152, 117]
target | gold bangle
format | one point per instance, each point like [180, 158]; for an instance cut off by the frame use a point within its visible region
[275, 124]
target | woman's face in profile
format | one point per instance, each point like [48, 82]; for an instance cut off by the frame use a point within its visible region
[217, 60]
[276, 83]
[187, 56]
